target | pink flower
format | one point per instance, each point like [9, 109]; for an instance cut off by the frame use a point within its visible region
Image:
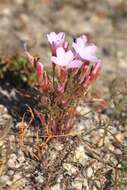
[95, 71]
[39, 71]
[57, 40]
[92, 75]
[65, 59]
[84, 51]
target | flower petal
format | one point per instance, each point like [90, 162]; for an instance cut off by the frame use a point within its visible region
[81, 41]
[91, 49]
[39, 69]
[68, 56]
[75, 64]
[61, 35]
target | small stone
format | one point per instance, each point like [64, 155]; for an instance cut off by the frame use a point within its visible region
[60, 178]
[19, 2]
[111, 147]
[119, 137]
[56, 187]
[39, 178]
[85, 184]
[3, 109]
[83, 110]
[4, 178]
[17, 176]
[80, 126]
[12, 162]
[58, 146]
[10, 172]
[77, 184]
[118, 151]
[21, 157]
[101, 142]
[98, 184]
[89, 172]
[95, 188]
[80, 155]
[12, 138]
[70, 168]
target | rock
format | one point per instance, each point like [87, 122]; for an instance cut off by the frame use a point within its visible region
[10, 173]
[56, 187]
[17, 176]
[4, 179]
[13, 162]
[21, 157]
[89, 172]
[77, 184]
[120, 137]
[39, 178]
[70, 168]
[80, 155]
[11, 138]
[83, 110]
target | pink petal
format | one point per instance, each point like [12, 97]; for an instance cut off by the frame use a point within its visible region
[60, 52]
[52, 37]
[39, 70]
[56, 38]
[68, 56]
[81, 40]
[74, 64]
[88, 53]
[84, 38]
[97, 67]
[65, 45]
[91, 49]
[61, 35]
[90, 58]
[75, 46]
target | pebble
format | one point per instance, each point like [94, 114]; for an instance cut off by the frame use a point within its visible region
[12, 138]
[83, 110]
[58, 146]
[13, 162]
[11, 172]
[21, 157]
[77, 185]
[80, 155]
[39, 178]
[56, 187]
[17, 176]
[79, 126]
[70, 168]
[119, 137]
[89, 172]
[5, 179]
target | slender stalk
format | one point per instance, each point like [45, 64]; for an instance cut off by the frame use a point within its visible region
[53, 77]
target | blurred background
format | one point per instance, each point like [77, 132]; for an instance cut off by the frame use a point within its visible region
[104, 21]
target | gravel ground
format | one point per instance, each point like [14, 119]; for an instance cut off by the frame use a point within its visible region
[96, 159]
